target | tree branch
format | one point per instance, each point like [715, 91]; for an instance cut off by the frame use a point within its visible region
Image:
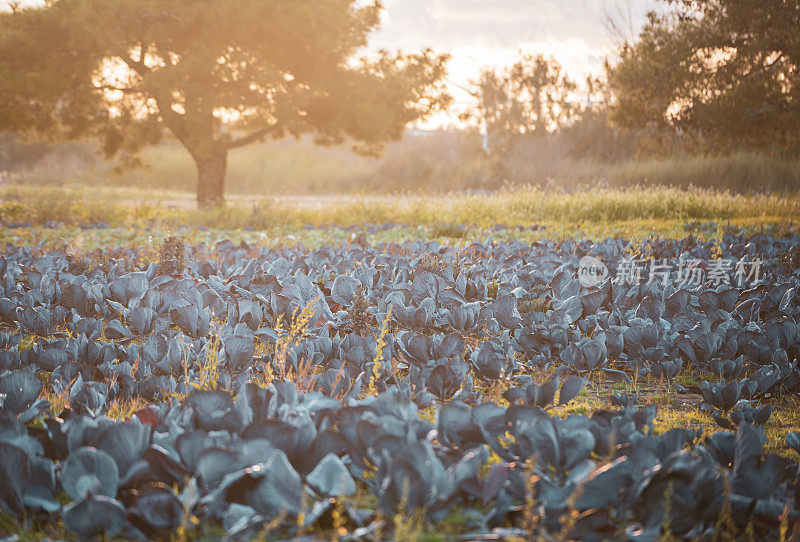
[250, 138]
[139, 67]
[117, 89]
[172, 120]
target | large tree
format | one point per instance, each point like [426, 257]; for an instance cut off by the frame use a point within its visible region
[217, 74]
[725, 73]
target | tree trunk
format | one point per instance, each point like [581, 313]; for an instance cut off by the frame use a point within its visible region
[211, 171]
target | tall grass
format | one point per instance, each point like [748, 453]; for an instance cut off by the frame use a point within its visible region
[509, 207]
[287, 165]
[742, 172]
[440, 162]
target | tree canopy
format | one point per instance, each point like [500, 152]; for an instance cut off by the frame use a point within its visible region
[217, 74]
[529, 97]
[725, 73]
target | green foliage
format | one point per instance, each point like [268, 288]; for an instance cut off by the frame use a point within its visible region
[12, 212]
[432, 263]
[444, 229]
[533, 303]
[722, 73]
[41, 205]
[218, 75]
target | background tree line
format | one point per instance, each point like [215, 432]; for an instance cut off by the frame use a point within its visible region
[704, 78]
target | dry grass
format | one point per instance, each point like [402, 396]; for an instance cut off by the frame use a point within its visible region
[437, 162]
[508, 207]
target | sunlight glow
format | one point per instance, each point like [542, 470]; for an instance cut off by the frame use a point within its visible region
[485, 34]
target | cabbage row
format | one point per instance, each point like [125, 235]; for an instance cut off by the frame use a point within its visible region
[293, 389]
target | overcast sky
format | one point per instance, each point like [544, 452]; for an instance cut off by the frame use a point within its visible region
[501, 23]
[481, 33]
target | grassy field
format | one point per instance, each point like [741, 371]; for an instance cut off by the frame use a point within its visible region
[590, 212]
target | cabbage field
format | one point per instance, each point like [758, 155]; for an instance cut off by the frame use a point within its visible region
[361, 388]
